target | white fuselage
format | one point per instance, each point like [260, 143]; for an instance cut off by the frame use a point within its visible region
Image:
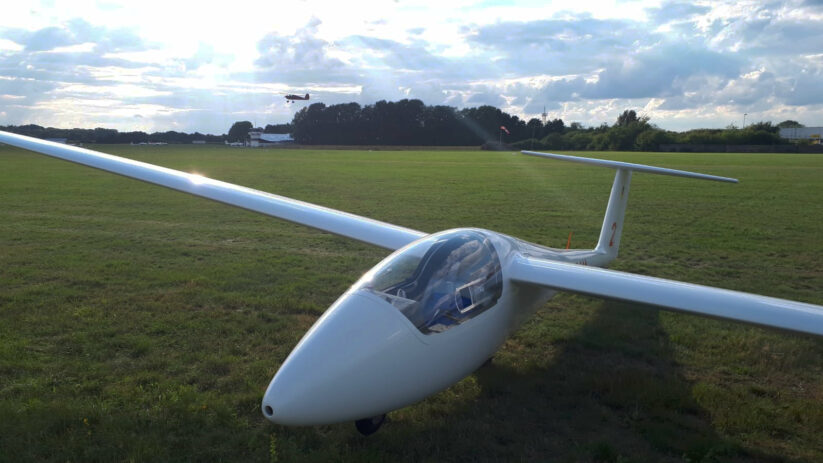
[363, 357]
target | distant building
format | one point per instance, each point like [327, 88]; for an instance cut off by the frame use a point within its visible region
[276, 138]
[198, 142]
[253, 139]
[802, 133]
[259, 139]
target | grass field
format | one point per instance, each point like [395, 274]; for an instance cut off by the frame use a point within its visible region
[138, 323]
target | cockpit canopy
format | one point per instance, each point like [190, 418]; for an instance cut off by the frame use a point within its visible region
[442, 281]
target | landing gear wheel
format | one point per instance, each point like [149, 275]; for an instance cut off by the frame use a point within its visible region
[369, 426]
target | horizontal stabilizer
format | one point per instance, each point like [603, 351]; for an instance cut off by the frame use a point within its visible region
[669, 294]
[630, 166]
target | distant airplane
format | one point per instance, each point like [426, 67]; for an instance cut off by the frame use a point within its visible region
[292, 97]
[441, 305]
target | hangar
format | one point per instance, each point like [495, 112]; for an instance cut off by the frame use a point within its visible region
[802, 133]
[259, 139]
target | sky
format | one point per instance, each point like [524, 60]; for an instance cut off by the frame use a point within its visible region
[200, 66]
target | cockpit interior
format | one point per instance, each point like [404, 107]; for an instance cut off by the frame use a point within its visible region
[441, 282]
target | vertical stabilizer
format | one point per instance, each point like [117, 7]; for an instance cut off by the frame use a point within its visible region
[609, 241]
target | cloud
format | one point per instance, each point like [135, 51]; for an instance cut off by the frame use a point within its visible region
[59, 54]
[675, 11]
[48, 38]
[802, 88]
[702, 61]
[394, 55]
[655, 72]
[205, 55]
[301, 51]
[75, 32]
[574, 45]
[24, 88]
[649, 73]
[489, 97]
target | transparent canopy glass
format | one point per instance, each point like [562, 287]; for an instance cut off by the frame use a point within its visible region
[440, 282]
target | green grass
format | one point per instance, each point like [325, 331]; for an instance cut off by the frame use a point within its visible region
[138, 323]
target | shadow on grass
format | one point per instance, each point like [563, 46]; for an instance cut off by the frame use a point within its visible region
[611, 392]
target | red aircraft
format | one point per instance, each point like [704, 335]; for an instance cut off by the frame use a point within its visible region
[291, 98]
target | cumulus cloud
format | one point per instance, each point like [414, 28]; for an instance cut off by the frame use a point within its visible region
[394, 55]
[573, 45]
[75, 32]
[301, 51]
[55, 55]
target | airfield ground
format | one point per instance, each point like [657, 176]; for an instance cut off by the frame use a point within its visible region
[138, 323]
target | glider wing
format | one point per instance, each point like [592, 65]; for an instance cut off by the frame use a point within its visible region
[353, 226]
[669, 294]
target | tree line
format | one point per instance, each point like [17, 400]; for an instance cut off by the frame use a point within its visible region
[111, 136]
[630, 132]
[238, 132]
[411, 122]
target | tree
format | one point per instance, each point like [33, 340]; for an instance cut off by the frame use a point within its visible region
[651, 139]
[278, 128]
[535, 127]
[765, 126]
[239, 131]
[628, 117]
[788, 124]
[308, 124]
[554, 126]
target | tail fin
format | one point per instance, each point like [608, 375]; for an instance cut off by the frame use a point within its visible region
[609, 241]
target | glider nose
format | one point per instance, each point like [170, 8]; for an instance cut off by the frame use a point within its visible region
[343, 367]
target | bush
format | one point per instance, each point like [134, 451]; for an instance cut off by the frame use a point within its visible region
[650, 140]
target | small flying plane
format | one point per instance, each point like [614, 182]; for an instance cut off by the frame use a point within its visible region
[441, 304]
[292, 97]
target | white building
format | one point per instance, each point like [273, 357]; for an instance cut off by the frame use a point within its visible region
[802, 133]
[254, 137]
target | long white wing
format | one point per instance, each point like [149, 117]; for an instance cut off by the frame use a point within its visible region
[669, 294]
[341, 223]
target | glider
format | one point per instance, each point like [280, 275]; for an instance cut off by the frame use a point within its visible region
[441, 304]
